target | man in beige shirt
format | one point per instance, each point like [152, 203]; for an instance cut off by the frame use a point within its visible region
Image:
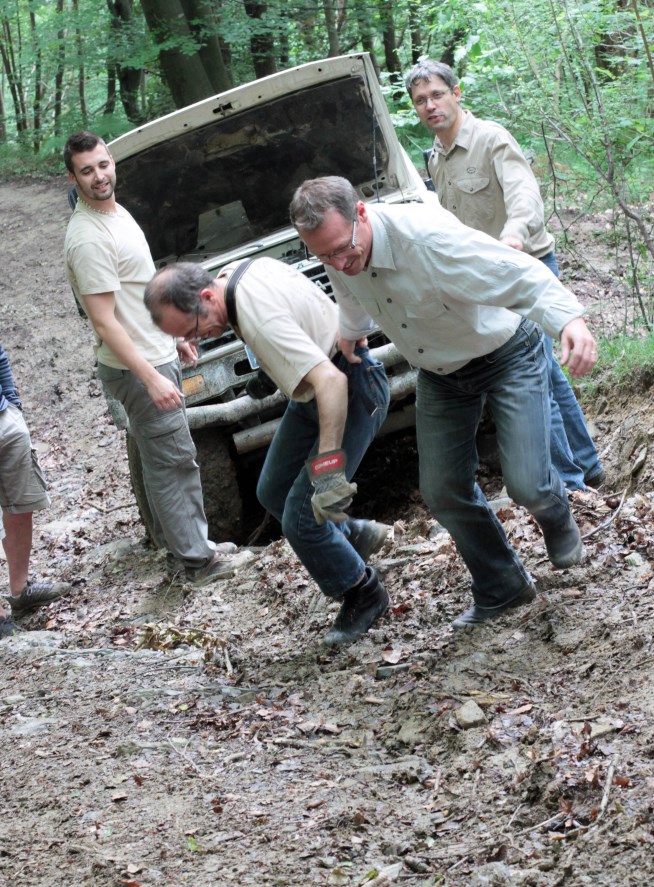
[336, 408]
[481, 176]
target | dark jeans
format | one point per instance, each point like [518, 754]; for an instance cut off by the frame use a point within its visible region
[513, 379]
[284, 488]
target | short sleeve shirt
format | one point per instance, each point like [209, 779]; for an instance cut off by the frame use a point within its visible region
[108, 252]
[290, 324]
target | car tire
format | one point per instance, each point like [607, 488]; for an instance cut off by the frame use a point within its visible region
[223, 502]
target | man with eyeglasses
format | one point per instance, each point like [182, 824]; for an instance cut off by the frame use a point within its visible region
[481, 176]
[108, 264]
[465, 310]
[336, 408]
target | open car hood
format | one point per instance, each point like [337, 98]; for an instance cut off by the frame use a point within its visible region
[220, 174]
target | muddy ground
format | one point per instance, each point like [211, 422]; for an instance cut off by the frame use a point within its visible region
[157, 735]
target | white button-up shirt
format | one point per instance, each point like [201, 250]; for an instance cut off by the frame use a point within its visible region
[445, 293]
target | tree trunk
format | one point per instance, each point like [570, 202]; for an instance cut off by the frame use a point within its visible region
[3, 119]
[366, 33]
[110, 104]
[415, 34]
[204, 25]
[8, 55]
[39, 88]
[262, 43]
[391, 59]
[184, 73]
[59, 74]
[332, 31]
[81, 73]
[128, 78]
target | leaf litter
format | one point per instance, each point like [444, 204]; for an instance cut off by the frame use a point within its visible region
[154, 736]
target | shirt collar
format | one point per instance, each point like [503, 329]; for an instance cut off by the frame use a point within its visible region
[381, 255]
[463, 137]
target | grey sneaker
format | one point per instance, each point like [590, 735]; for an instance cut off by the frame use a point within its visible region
[174, 566]
[366, 537]
[35, 595]
[221, 566]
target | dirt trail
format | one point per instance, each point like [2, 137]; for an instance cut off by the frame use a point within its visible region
[150, 737]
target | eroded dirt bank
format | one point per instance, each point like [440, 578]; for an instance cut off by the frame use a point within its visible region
[229, 748]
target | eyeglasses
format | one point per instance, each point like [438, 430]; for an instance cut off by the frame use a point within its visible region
[342, 249]
[435, 96]
[194, 337]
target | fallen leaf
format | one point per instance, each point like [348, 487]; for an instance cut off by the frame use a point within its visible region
[391, 655]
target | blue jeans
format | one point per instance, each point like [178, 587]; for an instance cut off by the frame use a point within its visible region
[513, 380]
[573, 452]
[284, 488]
[170, 473]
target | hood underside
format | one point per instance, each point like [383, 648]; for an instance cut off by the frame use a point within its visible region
[229, 181]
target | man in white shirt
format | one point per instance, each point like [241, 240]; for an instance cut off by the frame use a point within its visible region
[481, 176]
[451, 299]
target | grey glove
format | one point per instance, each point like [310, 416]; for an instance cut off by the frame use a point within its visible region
[333, 492]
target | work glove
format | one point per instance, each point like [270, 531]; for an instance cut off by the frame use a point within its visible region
[333, 492]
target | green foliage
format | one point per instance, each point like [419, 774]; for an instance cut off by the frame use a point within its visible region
[622, 362]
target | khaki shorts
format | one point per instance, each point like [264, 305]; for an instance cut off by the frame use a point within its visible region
[22, 484]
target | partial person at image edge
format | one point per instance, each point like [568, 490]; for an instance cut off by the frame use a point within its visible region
[23, 491]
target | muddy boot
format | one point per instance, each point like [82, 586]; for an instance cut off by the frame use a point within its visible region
[366, 537]
[563, 543]
[477, 614]
[361, 606]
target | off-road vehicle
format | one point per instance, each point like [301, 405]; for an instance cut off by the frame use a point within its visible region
[212, 183]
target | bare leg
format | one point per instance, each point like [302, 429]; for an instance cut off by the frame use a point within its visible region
[18, 547]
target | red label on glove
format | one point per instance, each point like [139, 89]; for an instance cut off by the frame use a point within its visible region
[328, 462]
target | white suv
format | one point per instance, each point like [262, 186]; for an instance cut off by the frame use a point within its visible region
[211, 183]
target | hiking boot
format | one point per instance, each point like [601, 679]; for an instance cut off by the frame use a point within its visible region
[175, 567]
[221, 566]
[596, 480]
[366, 537]
[563, 543]
[477, 614]
[361, 606]
[8, 627]
[35, 595]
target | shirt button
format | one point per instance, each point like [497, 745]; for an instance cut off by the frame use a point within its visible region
[374, 274]
[404, 326]
[421, 350]
[389, 301]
